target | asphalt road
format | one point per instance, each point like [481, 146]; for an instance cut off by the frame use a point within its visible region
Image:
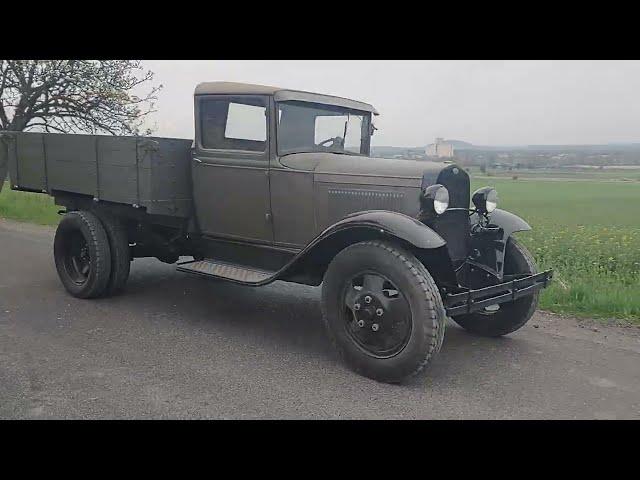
[177, 346]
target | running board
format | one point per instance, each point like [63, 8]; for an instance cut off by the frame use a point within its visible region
[226, 271]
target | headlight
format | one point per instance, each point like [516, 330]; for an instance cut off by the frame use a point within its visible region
[485, 199]
[436, 198]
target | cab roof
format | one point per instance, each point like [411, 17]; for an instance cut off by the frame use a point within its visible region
[279, 94]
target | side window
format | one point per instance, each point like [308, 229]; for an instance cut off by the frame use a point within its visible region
[233, 124]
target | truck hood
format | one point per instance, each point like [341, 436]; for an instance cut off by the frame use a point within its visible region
[358, 170]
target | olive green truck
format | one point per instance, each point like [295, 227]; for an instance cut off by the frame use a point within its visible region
[279, 184]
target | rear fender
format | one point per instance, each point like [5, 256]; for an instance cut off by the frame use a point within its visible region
[430, 248]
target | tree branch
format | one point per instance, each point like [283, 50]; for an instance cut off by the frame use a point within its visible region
[75, 95]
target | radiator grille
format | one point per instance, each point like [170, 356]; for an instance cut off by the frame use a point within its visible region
[454, 228]
[454, 225]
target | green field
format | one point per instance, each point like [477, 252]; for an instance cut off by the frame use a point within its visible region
[588, 231]
[28, 207]
[630, 174]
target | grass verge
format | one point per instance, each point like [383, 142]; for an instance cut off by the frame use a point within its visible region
[28, 207]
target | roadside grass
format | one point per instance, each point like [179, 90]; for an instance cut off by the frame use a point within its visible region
[28, 207]
[589, 233]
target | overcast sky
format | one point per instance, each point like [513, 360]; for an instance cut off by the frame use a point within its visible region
[481, 102]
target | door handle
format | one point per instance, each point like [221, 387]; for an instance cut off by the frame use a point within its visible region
[197, 160]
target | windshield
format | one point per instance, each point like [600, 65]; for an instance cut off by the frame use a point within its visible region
[311, 127]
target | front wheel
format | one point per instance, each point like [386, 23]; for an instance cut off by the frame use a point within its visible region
[508, 317]
[382, 310]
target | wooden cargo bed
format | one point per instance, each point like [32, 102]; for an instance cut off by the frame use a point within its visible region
[149, 172]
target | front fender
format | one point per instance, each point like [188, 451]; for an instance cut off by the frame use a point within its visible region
[509, 223]
[395, 224]
[309, 265]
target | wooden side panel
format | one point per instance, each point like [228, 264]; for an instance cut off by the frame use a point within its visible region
[117, 169]
[31, 168]
[72, 163]
[164, 176]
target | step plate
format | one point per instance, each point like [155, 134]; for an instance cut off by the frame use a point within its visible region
[236, 273]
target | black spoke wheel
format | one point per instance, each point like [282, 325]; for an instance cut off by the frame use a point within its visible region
[382, 310]
[377, 316]
[77, 260]
[82, 254]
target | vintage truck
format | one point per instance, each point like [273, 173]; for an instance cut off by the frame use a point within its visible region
[279, 184]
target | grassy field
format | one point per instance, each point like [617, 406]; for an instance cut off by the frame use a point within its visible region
[611, 174]
[28, 207]
[588, 231]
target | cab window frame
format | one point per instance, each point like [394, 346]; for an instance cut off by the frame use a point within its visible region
[254, 100]
[365, 137]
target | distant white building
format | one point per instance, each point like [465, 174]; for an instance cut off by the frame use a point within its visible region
[440, 149]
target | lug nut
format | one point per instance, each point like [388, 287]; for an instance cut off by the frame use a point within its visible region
[356, 306]
[375, 327]
[361, 323]
[367, 299]
[379, 312]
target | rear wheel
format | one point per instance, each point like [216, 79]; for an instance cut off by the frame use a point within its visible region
[82, 254]
[120, 253]
[507, 317]
[382, 310]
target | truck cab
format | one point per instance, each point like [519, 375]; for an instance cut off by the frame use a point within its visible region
[258, 150]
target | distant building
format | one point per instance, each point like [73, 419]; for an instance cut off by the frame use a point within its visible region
[440, 149]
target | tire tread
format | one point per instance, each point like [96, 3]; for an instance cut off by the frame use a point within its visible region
[436, 314]
[120, 254]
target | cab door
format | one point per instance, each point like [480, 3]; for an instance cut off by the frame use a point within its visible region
[230, 167]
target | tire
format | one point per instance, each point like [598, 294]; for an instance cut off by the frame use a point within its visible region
[511, 316]
[82, 254]
[120, 253]
[423, 321]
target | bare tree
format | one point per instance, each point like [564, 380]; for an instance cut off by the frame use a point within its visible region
[72, 96]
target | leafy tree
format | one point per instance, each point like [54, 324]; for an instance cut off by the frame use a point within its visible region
[73, 96]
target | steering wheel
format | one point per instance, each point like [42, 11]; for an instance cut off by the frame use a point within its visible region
[334, 141]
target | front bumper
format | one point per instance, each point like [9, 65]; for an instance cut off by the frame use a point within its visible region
[475, 300]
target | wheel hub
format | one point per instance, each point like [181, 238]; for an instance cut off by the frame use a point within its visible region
[369, 311]
[378, 317]
[77, 260]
